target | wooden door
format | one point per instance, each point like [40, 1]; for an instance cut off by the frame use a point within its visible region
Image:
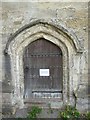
[43, 70]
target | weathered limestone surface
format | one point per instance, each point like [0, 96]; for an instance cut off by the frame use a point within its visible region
[71, 16]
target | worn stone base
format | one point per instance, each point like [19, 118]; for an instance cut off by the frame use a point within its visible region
[82, 104]
[46, 113]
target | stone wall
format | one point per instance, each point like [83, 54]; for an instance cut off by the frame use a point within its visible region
[73, 17]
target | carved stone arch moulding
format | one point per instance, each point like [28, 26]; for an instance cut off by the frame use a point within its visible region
[56, 34]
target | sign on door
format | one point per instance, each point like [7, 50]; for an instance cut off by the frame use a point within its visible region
[44, 72]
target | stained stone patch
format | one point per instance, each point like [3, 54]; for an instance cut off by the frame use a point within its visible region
[7, 110]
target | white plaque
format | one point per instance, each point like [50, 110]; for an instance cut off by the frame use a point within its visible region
[44, 72]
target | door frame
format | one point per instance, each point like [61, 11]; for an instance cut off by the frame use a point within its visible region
[26, 35]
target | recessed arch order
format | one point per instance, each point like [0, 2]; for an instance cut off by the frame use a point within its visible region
[16, 44]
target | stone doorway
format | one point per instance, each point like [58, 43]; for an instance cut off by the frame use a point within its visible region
[55, 34]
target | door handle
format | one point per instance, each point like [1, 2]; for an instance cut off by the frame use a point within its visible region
[26, 69]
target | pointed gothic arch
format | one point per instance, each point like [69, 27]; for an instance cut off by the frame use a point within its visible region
[58, 35]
